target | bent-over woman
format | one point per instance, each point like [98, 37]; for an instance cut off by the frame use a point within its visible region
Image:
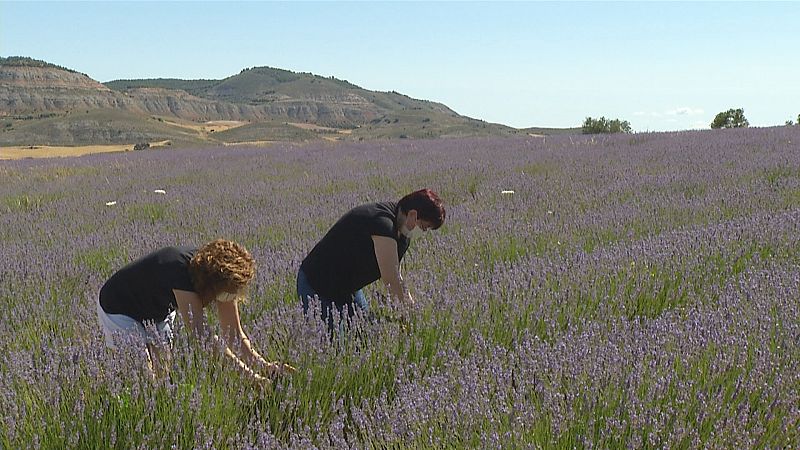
[363, 246]
[151, 290]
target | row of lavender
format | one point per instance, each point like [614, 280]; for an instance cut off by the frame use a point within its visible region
[632, 291]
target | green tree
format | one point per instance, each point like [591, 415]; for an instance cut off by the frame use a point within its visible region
[603, 125]
[732, 118]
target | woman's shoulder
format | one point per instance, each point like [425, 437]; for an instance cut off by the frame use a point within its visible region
[376, 209]
[179, 253]
[379, 218]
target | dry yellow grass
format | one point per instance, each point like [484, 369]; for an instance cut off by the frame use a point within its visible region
[245, 143]
[213, 126]
[46, 151]
[312, 127]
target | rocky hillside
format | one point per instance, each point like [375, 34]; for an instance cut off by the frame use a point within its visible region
[42, 90]
[33, 91]
[47, 91]
[265, 92]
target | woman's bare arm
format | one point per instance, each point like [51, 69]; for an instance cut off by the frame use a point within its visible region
[389, 265]
[235, 337]
[190, 308]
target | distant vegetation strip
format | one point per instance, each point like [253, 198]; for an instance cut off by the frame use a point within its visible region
[201, 86]
[551, 131]
[24, 61]
[193, 87]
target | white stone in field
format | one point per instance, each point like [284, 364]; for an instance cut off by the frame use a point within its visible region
[111, 203]
[160, 191]
[506, 192]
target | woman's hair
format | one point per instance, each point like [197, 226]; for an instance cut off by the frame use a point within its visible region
[218, 266]
[428, 205]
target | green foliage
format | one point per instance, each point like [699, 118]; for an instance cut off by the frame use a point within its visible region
[279, 75]
[603, 125]
[149, 212]
[194, 87]
[732, 118]
[101, 260]
[24, 61]
[26, 202]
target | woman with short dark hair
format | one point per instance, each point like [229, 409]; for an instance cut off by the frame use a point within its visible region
[364, 245]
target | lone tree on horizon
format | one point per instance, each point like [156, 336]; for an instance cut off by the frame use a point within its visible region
[603, 125]
[732, 118]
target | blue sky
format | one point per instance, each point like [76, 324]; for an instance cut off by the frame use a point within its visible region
[661, 66]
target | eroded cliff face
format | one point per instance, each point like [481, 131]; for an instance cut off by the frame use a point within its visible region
[39, 90]
[46, 78]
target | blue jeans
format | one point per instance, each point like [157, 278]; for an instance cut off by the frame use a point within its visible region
[306, 293]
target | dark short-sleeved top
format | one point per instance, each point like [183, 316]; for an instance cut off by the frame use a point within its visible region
[143, 289]
[344, 260]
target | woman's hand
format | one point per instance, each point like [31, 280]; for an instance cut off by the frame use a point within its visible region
[276, 368]
[261, 382]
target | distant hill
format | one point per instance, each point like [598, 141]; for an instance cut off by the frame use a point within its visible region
[41, 103]
[265, 92]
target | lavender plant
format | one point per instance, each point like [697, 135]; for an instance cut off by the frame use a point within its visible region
[633, 291]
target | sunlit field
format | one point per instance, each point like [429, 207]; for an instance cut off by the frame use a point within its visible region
[637, 291]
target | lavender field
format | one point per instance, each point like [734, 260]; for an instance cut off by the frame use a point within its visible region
[634, 291]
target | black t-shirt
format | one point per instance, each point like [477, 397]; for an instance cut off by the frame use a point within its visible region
[143, 289]
[344, 260]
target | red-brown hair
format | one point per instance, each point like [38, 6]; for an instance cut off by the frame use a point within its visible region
[221, 265]
[428, 205]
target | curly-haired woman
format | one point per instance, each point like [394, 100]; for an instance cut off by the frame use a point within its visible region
[150, 290]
